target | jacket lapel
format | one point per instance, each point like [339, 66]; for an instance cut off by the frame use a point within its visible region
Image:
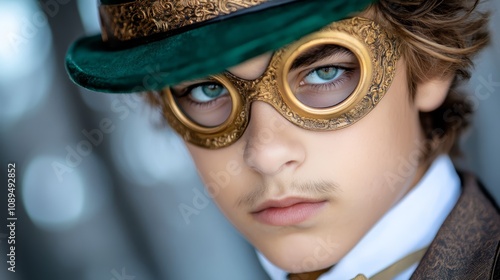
[467, 244]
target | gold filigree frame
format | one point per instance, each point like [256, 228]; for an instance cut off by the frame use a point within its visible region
[326, 38]
[376, 50]
[143, 18]
[227, 125]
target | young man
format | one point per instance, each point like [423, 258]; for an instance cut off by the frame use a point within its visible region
[329, 122]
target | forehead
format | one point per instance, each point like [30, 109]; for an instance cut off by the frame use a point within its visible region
[252, 68]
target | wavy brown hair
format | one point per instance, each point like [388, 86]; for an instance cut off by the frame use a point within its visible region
[439, 39]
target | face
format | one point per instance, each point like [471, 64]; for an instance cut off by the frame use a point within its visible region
[304, 197]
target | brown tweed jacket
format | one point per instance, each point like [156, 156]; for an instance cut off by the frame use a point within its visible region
[467, 245]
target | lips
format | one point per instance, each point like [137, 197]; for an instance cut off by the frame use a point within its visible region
[287, 212]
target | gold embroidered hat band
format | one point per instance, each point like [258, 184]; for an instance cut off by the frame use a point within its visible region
[149, 44]
[327, 80]
[145, 19]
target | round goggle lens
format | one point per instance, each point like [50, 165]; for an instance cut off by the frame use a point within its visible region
[208, 104]
[323, 76]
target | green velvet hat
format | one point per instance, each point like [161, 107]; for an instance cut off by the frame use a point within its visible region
[150, 44]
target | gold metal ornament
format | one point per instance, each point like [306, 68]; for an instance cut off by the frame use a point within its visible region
[143, 18]
[376, 50]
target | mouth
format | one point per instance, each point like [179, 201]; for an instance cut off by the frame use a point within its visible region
[287, 212]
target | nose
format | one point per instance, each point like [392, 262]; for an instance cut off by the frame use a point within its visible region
[273, 144]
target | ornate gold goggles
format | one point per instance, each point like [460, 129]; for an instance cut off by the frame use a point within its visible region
[325, 81]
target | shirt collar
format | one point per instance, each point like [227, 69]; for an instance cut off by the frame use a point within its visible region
[409, 226]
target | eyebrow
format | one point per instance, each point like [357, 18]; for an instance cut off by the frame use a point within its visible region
[317, 53]
[184, 86]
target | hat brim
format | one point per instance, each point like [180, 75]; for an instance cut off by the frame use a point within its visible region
[202, 51]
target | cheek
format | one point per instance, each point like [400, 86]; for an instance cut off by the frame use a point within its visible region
[373, 160]
[220, 170]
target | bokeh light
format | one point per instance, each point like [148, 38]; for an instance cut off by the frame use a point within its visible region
[89, 15]
[50, 202]
[56, 202]
[25, 65]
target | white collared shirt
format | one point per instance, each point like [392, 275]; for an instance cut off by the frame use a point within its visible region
[409, 226]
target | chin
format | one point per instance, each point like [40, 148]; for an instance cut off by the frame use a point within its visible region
[303, 262]
[302, 254]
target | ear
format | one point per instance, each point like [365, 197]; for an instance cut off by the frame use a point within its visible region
[430, 94]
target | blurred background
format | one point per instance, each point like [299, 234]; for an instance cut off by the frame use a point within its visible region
[101, 186]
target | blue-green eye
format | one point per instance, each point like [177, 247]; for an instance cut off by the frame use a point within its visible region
[323, 75]
[207, 92]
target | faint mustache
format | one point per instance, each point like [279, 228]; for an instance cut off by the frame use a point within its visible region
[309, 189]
